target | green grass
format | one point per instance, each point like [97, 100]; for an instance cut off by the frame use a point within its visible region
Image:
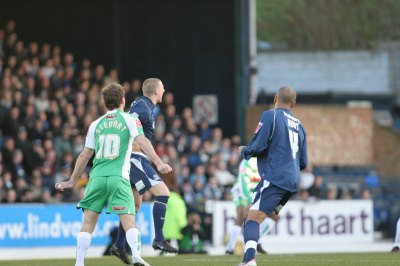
[342, 259]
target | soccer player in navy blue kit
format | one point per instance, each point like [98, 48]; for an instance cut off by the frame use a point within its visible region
[142, 175]
[279, 143]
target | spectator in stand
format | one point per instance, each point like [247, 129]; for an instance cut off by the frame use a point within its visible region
[11, 196]
[224, 177]
[198, 175]
[7, 151]
[17, 169]
[112, 77]
[132, 91]
[2, 53]
[212, 191]
[205, 131]
[316, 191]
[11, 124]
[331, 193]
[37, 185]
[193, 236]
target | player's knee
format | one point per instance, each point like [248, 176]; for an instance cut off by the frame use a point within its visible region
[258, 216]
[160, 190]
[127, 221]
[274, 216]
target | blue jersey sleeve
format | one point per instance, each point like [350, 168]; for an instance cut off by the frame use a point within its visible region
[144, 113]
[303, 152]
[262, 134]
[140, 110]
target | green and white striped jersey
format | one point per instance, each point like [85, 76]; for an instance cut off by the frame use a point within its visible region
[248, 176]
[111, 136]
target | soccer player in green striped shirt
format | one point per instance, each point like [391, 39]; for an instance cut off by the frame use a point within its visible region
[242, 193]
[110, 139]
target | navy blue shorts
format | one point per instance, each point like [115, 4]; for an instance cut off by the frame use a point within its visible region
[269, 198]
[143, 176]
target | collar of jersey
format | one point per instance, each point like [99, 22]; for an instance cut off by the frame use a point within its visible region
[112, 111]
[148, 100]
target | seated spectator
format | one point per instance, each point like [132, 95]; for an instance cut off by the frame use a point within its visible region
[212, 191]
[11, 196]
[331, 193]
[316, 190]
[222, 174]
[193, 236]
[198, 175]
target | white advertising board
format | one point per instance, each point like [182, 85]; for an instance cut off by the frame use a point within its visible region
[302, 222]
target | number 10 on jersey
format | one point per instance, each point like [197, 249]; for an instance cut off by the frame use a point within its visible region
[108, 146]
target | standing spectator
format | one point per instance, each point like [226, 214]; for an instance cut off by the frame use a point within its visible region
[175, 217]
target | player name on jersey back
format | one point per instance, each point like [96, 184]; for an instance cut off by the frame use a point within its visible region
[110, 124]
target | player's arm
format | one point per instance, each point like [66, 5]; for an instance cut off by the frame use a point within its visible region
[80, 166]
[147, 148]
[262, 134]
[303, 152]
[82, 161]
[145, 145]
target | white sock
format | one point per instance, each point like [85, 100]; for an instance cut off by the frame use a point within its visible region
[266, 226]
[134, 241]
[235, 231]
[250, 244]
[82, 245]
[397, 238]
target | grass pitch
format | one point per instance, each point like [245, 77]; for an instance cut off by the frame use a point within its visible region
[342, 259]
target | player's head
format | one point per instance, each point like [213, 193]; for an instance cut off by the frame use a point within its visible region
[113, 96]
[153, 88]
[285, 97]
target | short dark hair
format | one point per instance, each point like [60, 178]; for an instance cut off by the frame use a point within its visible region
[113, 95]
[286, 95]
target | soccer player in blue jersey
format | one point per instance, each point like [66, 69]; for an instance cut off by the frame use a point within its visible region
[142, 176]
[279, 143]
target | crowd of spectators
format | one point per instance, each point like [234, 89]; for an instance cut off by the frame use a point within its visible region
[47, 101]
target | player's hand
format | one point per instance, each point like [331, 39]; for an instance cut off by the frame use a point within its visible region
[63, 185]
[240, 148]
[164, 168]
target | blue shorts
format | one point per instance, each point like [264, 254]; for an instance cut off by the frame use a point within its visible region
[269, 198]
[142, 175]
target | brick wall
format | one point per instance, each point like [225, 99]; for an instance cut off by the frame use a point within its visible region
[336, 135]
[387, 151]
